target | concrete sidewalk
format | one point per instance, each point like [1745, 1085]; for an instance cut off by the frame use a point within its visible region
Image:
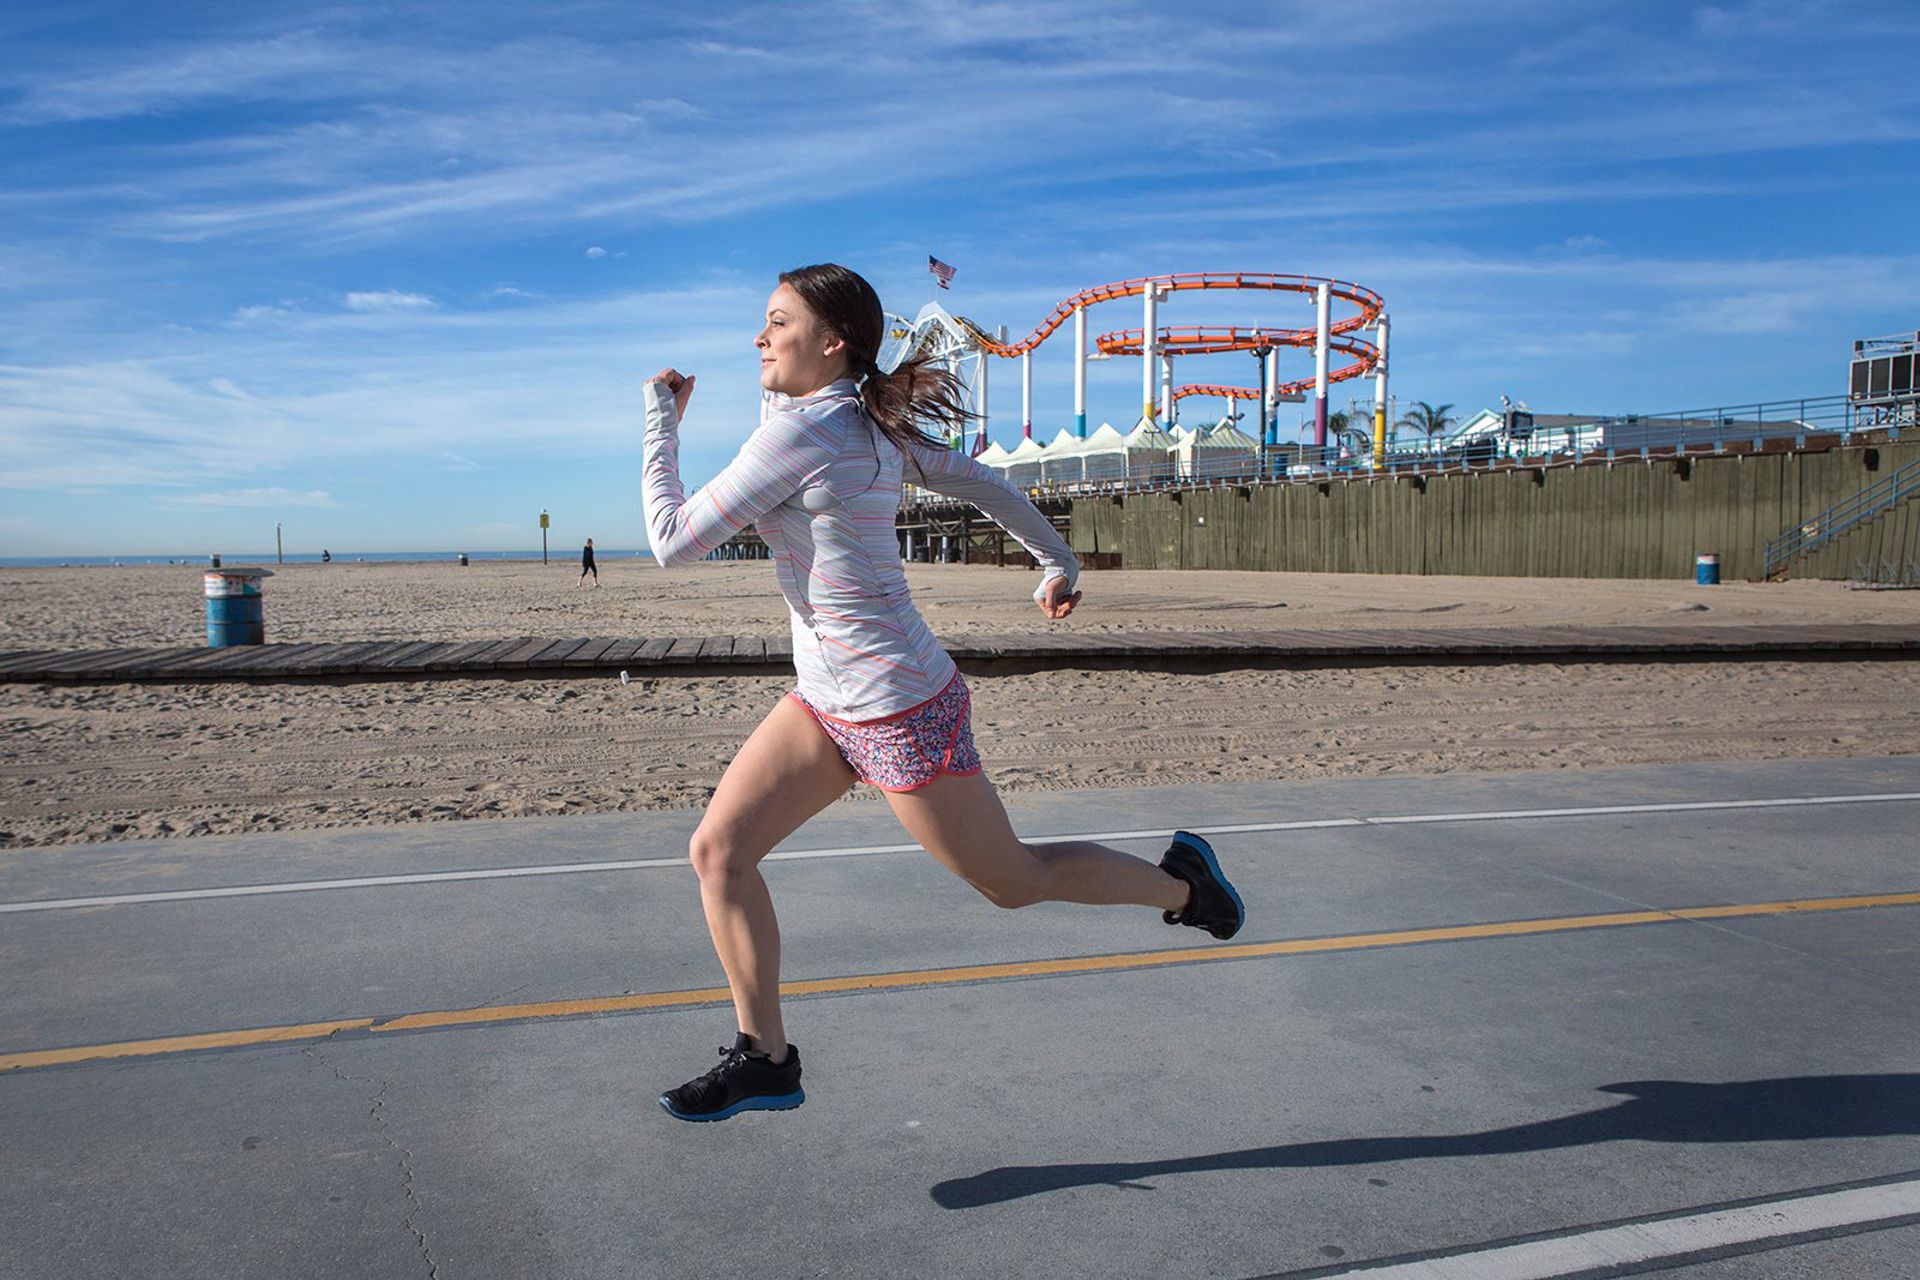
[1274, 1114]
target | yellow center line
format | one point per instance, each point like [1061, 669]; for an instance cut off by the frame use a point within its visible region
[494, 1014]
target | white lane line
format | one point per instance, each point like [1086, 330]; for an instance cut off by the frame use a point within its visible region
[1634, 1247]
[858, 851]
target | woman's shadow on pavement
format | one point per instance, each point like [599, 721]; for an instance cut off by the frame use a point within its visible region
[1792, 1107]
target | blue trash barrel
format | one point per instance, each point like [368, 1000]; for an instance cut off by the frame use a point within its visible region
[1706, 571]
[236, 612]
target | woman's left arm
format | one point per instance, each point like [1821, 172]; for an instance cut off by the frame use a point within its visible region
[783, 456]
[953, 473]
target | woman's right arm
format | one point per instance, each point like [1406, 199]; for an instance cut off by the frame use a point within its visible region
[782, 457]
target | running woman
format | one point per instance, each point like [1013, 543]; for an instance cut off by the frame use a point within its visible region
[878, 700]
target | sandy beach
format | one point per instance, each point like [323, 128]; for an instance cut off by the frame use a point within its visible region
[102, 762]
[162, 605]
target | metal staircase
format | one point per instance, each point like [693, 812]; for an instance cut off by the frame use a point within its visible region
[1874, 500]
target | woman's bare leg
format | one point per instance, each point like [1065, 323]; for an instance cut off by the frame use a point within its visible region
[787, 771]
[960, 820]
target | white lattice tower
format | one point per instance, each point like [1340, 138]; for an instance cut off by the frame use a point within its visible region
[951, 341]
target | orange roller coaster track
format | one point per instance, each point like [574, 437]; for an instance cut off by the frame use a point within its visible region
[1369, 303]
[1212, 339]
[1215, 389]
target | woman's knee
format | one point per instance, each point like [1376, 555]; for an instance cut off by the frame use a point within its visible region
[716, 859]
[1011, 897]
[1011, 892]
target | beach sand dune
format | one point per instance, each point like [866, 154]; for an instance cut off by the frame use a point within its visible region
[101, 762]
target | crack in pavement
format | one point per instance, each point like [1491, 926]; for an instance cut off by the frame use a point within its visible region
[490, 1001]
[404, 1155]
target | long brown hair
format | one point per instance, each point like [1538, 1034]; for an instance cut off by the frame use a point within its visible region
[917, 395]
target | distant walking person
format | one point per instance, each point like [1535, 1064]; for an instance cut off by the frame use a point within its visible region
[586, 564]
[878, 700]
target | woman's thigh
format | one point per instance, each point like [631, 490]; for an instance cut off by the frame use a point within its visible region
[786, 771]
[959, 819]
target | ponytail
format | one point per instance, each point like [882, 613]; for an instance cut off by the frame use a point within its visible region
[916, 397]
[904, 404]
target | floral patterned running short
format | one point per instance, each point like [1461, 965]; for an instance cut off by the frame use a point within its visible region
[907, 750]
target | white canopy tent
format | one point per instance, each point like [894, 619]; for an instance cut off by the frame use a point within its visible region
[1149, 451]
[1103, 454]
[1212, 451]
[1064, 463]
[1022, 463]
[1230, 436]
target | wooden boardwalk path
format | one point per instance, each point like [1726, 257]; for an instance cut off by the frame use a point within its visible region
[526, 655]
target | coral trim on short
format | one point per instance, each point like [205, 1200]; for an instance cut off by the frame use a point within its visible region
[909, 749]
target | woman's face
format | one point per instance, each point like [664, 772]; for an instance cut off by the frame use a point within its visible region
[797, 355]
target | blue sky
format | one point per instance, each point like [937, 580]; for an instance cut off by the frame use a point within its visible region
[391, 275]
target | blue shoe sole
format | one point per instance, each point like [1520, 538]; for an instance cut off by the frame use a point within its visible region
[764, 1102]
[1205, 850]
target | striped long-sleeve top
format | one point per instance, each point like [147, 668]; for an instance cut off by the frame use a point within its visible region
[821, 484]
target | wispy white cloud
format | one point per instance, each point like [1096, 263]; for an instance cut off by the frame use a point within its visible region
[302, 64]
[740, 52]
[1780, 310]
[381, 137]
[595, 251]
[253, 498]
[425, 384]
[388, 300]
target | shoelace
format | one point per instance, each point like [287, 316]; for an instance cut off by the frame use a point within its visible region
[714, 1079]
[729, 1057]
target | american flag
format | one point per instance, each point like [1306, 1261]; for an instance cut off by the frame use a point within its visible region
[941, 271]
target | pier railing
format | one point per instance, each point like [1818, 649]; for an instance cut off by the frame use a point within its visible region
[1870, 502]
[1763, 426]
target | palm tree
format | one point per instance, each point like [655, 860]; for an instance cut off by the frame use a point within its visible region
[1429, 420]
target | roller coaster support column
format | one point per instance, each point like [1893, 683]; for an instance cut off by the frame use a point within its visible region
[1320, 338]
[1026, 394]
[1380, 397]
[1266, 436]
[1151, 332]
[1166, 388]
[1080, 372]
[1270, 398]
[983, 361]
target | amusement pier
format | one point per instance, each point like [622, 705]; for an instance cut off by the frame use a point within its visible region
[1814, 486]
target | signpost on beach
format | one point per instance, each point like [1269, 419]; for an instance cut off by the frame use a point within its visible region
[543, 535]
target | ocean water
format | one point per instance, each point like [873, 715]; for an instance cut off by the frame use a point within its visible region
[566, 556]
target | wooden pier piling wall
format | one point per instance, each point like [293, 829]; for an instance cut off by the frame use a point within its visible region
[1631, 518]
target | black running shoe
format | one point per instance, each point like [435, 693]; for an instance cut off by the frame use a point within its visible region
[744, 1081]
[1215, 905]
